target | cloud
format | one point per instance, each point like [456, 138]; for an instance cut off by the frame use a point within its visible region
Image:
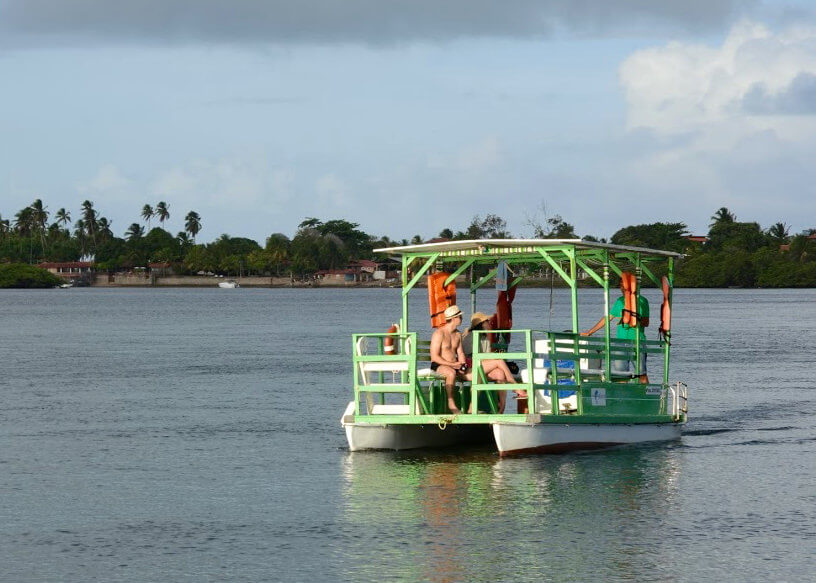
[244, 182]
[681, 88]
[48, 22]
[730, 125]
[798, 98]
[480, 156]
[332, 192]
[108, 182]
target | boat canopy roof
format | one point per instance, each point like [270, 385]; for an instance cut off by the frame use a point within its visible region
[498, 248]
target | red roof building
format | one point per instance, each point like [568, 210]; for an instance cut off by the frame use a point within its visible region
[697, 238]
[69, 269]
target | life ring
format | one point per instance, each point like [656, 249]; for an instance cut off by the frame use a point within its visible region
[440, 297]
[665, 311]
[390, 341]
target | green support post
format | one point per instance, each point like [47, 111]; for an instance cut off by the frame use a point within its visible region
[638, 280]
[607, 321]
[666, 347]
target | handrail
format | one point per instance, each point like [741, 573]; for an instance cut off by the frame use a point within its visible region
[480, 383]
[564, 356]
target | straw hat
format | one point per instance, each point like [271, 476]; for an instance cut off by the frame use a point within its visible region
[452, 311]
[477, 318]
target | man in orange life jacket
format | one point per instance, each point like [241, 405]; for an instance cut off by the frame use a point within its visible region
[447, 354]
[627, 332]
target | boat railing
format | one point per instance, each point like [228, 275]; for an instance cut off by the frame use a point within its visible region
[563, 373]
[679, 399]
[378, 374]
[580, 366]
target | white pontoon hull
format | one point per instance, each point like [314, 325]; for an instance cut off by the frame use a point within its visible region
[514, 438]
[364, 436]
[398, 437]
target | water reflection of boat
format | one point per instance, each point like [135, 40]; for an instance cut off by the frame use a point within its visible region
[400, 403]
[466, 515]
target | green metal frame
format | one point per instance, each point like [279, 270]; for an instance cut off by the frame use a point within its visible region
[631, 402]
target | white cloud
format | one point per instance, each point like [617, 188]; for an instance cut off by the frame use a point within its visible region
[332, 192]
[107, 182]
[729, 125]
[240, 182]
[479, 156]
[731, 90]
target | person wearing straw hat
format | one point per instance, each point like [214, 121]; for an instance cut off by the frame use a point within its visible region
[447, 355]
[495, 369]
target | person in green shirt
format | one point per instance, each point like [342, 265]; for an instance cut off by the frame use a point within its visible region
[626, 332]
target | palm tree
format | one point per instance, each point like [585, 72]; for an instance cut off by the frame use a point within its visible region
[25, 226]
[24, 222]
[89, 221]
[4, 227]
[134, 231]
[63, 217]
[163, 212]
[39, 216]
[147, 214]
[192, 224]
[104, 226]
[723, 215]
[79, 233]
[779, 233]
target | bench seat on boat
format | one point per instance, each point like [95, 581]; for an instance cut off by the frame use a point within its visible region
[424, 356]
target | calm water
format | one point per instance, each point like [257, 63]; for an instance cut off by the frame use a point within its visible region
[172, 435]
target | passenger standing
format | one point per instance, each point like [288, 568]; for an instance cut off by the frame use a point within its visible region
[627, 332]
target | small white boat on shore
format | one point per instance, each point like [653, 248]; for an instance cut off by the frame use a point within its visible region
[228, 284]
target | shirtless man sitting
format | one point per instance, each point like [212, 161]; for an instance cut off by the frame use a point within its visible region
[447, 355]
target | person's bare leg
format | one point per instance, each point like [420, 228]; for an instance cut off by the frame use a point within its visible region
[501, 374]
[450, 385]
[500, 366]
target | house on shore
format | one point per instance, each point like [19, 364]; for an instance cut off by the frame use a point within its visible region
[70, 271]
[160, 269]
[358, 271]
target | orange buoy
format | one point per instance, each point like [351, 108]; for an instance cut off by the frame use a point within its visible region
[440, 297]
[390, 341]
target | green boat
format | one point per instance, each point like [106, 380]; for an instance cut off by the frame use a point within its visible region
[578, 391]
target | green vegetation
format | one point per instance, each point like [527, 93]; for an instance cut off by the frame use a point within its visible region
[19, 275]
[733, 254]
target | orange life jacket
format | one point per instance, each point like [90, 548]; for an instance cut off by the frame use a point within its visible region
[440, 297]
[503, 318]
[665, 311]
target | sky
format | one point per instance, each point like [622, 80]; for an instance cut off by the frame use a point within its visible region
[409, 117]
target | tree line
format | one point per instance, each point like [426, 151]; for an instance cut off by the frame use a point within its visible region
[734, 253]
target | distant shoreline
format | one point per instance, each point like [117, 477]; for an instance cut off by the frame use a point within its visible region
[102, 281]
